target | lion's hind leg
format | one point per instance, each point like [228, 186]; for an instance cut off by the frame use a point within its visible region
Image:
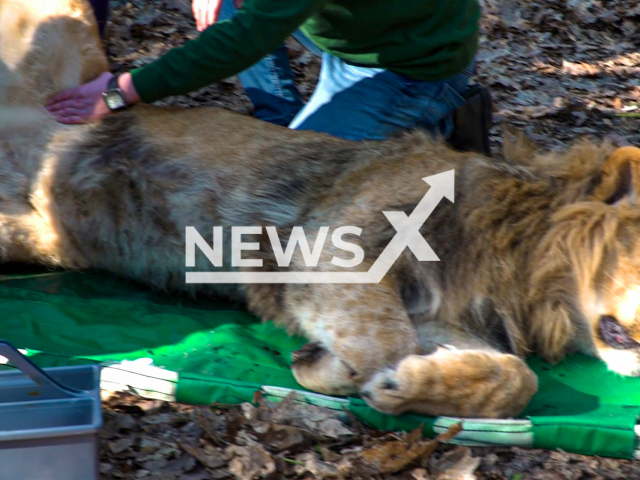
[462, 383]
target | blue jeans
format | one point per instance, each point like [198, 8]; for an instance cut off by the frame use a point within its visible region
[350, 102]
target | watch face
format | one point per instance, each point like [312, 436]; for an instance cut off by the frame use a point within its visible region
[113, 100]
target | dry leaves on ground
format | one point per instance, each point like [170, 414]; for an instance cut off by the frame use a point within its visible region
[560, 69]
[155, 440]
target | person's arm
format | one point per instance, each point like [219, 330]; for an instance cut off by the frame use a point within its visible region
[224, 49]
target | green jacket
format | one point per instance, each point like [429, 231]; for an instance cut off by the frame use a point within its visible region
[423, 39]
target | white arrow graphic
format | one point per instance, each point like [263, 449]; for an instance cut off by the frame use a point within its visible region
[408, 227]
[407, 235]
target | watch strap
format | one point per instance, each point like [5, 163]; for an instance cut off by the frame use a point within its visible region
[113, 89]
[113, 84]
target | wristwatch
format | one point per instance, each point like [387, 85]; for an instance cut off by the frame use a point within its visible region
[113, 95]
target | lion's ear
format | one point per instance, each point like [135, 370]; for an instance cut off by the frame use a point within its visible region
[620, 176]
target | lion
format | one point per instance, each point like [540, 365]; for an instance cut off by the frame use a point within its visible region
[539, 253]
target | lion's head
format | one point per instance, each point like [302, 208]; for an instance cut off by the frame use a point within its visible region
[589, 272]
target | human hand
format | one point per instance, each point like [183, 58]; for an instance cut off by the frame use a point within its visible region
[85, 103]
[206, 12]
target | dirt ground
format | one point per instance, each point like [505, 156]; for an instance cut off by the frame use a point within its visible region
[557, 69]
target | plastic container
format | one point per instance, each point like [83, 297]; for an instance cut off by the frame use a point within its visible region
[49, 420]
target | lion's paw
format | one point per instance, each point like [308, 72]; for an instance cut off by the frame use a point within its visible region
[453, 383]
[389, 392]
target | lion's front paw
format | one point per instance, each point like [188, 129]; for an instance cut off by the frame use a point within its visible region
[454, 383]
[384, 392]
[406, 387]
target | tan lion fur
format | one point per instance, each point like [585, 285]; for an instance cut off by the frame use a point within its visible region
[535, 251]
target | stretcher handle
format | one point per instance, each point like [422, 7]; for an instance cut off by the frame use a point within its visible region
[35, 373]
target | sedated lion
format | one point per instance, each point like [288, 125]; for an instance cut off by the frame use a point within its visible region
[539, 253]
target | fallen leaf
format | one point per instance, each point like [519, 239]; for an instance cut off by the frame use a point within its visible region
[210, 459]
[315, 466]
[283, 437]
[580, 69]
[121, 445]
[420, 474]
[393, 456]
[248, 463]
[457, 464]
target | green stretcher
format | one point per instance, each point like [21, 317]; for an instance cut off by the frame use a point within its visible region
[206, 351]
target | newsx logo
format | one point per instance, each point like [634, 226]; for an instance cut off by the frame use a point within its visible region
[407, 236]
[283, 257]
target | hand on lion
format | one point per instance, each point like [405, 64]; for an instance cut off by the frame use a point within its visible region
[85, 103]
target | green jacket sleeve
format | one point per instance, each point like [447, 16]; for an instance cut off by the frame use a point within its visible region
[224, 49]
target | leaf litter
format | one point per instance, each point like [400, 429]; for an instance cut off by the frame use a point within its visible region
[264, 439]
[293, 440]
[558, 70]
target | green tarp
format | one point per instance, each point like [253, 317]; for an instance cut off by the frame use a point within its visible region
[221, 353]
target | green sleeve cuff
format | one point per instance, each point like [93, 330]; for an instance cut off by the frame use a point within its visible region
[142, 79]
